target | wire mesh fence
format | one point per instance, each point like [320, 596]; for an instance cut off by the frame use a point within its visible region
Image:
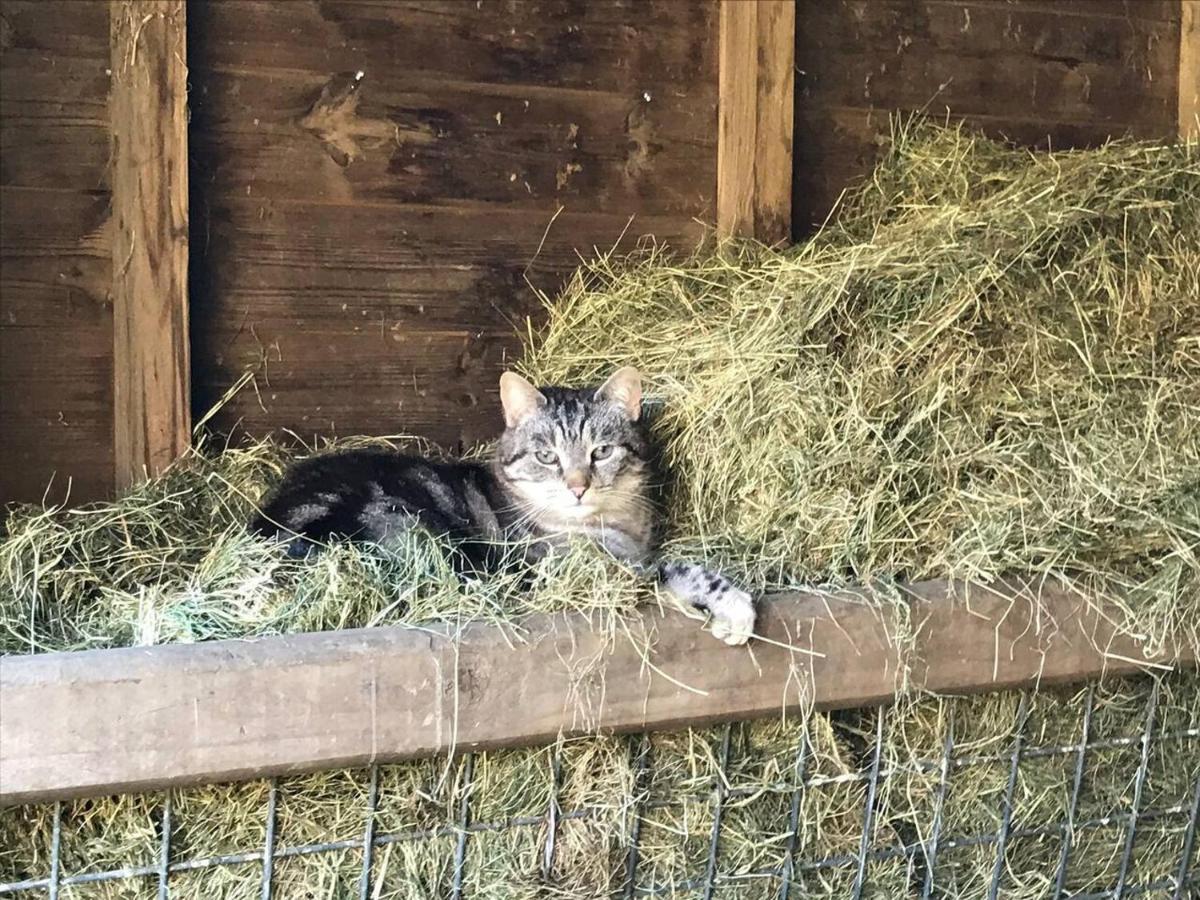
[1111, 813]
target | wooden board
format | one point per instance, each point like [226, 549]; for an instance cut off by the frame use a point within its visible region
[372, 247]
[1039, 73]
[151, 354]
[1189, 69]
[55, 252]
[113, 721]
[627, 46]
[754, 144]
[405, 327]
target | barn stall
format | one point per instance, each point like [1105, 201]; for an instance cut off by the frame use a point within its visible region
[293, 221]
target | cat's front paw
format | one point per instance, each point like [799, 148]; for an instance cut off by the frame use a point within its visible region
[731, 609]
[733, 617]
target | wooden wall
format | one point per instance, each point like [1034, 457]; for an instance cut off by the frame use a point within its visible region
[1063, 73]
[373, 259]
[55, 250]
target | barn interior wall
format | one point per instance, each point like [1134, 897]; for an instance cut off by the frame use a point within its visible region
[372, 258]
[1043, 73]
[55, 251]
[370, 253]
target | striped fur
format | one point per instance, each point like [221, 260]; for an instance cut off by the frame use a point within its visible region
[571, 462]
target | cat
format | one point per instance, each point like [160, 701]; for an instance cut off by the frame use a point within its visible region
[571, 462]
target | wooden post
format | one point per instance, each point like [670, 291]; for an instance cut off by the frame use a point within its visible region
[152, 420]
[144, 718]
[1189, 70]
[754, 135]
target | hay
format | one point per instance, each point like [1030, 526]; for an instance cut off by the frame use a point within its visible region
[172, 562]
[989, 362]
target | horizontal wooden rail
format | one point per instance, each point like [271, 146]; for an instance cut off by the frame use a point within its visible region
[106, 721]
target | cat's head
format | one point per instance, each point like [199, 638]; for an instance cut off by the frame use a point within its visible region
[573, 455]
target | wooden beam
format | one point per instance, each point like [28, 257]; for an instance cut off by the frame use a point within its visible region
[754, 133]
[152, 421]
[1189, 70]
[106, 721]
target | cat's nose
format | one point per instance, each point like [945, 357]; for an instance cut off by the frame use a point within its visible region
[577, 483]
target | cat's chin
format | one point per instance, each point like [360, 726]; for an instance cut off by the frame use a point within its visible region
[579, 512]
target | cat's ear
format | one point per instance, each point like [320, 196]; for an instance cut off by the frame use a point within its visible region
[624, 387]
[519, 398]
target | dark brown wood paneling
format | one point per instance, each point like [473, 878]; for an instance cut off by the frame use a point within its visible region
[620, 45]
[1161, 10]
[371, 244]
[453, 144]
[55, 248]
[1038, 73]
[389, 321]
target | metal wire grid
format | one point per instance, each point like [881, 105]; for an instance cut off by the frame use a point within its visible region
[1181, 883]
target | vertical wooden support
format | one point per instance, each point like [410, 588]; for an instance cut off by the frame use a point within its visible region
[754, 138]
[152, 421]
[1189, 69]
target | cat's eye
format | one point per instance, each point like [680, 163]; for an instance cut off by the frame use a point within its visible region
[546, 457]
[602, 451]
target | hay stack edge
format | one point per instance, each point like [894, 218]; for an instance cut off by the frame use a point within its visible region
[988, 362]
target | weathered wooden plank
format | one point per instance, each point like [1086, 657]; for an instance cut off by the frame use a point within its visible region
[774, 130]
[55, 349]
[1041, 74]
[108, 721]
[737, 118]
[398, 321]
[151, 368]
[378, 380]
[1189, 69]
[55, 251]
[627, 47]
[998, 61]
[453, 143]
[1123, 10]
[53, 30]
[53, 122]
[754, 140]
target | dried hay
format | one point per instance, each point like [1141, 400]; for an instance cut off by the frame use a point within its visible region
[989, 362]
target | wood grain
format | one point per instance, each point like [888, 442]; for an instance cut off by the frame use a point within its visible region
[754, 142]
[116, 721]
[452, 143]
[373, 247]
[1041, 74]
[54, 29]
[55, 252]
[363, 322]
[151, 356]
[1189, 69]
[623, 46]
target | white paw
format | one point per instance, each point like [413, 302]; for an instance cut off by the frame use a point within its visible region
[733, 618]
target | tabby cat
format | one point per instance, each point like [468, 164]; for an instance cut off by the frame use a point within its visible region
[571, 462]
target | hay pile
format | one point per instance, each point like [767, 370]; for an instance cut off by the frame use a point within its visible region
[989, 362]
[171, 562]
